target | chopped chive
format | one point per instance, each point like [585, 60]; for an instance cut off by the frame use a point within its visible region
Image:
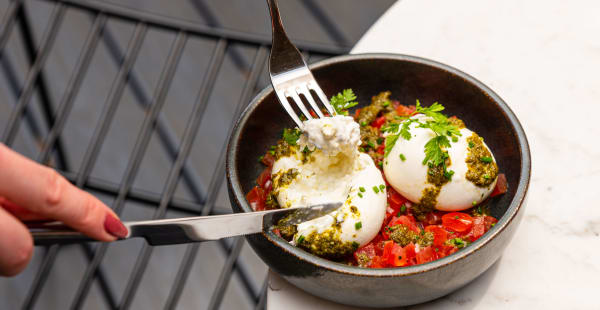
[456, 217]
[272, 152]
[385, 104]
[381, 187]
[360, 195]
[371, 144]
[474, 203]
[493, 224]
[261, 158]
[272, 147]
[454, 139]
[358, 225]
[376, 190]
[300, 239]
[362, 189]
[471, 144]
[436, 249]
[402, 157]
[363, 124]
[355, 244]
[362, 149]
[403, 208]
[486, 159]
[379, 140]
[380, 164]
[485, 176]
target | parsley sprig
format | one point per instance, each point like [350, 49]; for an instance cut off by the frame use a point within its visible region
[291, 136]
[443, 129]
[343, 101]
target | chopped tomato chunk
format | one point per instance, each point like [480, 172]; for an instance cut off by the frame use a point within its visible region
[378, 122]
[440, 235]
[426, 254]
[457, 221]
[256, 198]
[403, 110]
[501, 185]
[268, 160]
[264, 177]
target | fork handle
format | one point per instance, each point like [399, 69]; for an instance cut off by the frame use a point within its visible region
[284, 55]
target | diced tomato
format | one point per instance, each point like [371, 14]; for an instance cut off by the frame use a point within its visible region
[256, 198]
[377, 262]
[410, 251]
[489, 221]
[313, 113]
[440, 235]
[387, 250]
[277, 232]
[398, 256]
[403, 110]
[457, 221]
[433, 218]
[356, 113]
[425, 255]
[478, 228]
[264, 177]
[396, 200]
[381, 149]
[406, 220]
[268, 160]
[378, 122]
[364, 256]
[501, 185]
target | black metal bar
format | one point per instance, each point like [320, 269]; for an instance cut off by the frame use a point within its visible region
[8, 21]
[166, 134]
[212, 21]
[262, 301]
[326, 22]
[73, 85]
[107, 292]
[133, 14]
[215, 183]
[33, 74]
[225, 276]
[136, 158]
[92, 151]
[189, 136]
[40, 80]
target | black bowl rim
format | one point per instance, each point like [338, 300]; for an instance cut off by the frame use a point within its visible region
[516, 204]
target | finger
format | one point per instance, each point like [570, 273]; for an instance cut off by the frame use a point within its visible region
[18, 211]
[16, 245]
[43, 191]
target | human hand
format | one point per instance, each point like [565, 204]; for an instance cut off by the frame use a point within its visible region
[30, 191]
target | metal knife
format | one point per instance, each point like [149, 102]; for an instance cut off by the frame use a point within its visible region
[188, 229]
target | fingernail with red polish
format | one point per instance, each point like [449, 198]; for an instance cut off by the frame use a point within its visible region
[114, 227]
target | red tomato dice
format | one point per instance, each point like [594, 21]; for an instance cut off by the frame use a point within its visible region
[264, 177]
[256, 198]
[403, 110]
[398, 256]
[478, 228]
[440, 235]
[378, 122]
[426, 254]
[501, 186]
[268, 160]
[457, 221]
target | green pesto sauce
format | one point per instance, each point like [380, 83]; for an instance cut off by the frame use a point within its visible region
[427, 202]
[457, 122]
[328, 244]
[480, 173]
[281, 179]
[403, 236]
[435, 174]
[284, 149]
[379, 103]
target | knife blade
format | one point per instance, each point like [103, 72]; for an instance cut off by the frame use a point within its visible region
[190, 229]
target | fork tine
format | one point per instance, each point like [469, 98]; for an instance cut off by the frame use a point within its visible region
[315, 87]
[288, 108]
[294, 95]
[304, 91]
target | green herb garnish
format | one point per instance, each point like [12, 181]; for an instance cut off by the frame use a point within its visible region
[376, 190]
[343, 101]
[486, 159]
[300, 239]
[362, 189]
[402, 157]
[358, 225]
[291, 136]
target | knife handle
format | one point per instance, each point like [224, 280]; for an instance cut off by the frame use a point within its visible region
[158, 233]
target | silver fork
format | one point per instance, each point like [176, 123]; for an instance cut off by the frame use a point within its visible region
[290, 75]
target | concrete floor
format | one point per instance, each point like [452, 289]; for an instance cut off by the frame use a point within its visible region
[350, 18]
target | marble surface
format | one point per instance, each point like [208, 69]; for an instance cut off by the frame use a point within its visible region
[543, 59]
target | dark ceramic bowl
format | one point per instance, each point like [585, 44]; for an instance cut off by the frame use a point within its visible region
[408, 78]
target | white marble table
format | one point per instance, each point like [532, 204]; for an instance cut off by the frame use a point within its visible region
[543, 59]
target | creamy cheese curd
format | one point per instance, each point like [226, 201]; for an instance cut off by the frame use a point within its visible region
[334, 171]
[409, 176]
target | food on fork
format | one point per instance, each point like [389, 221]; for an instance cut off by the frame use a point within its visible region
[435, 167]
